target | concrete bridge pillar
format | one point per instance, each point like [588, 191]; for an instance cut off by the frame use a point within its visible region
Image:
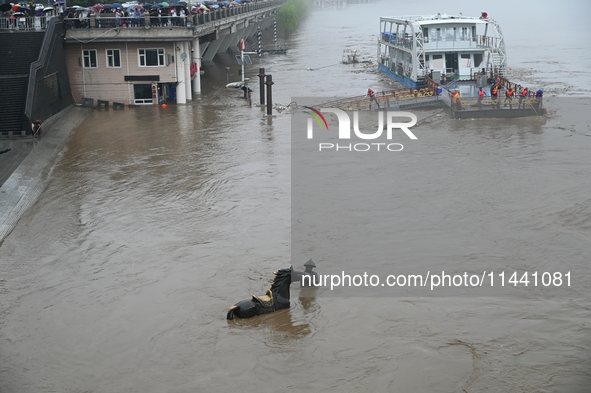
[181, 91]
[212, 49]
[186, 50]
[196, 57]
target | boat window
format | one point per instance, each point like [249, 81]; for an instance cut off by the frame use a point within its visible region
[437, 35]
[465, 35]
[478, 60]
[426, 34]
[466, 63]
[450, 33]
[436, 61]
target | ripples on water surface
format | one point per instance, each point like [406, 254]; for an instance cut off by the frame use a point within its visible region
[158, 219]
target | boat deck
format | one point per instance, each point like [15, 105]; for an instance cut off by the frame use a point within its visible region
[491, 111]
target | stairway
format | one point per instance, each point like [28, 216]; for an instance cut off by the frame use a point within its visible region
[499, 53]
[17, 51]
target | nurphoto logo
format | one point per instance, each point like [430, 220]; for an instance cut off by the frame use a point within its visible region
[344, 132]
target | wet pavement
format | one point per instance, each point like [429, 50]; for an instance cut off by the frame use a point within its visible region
[25, 169]
[9, 161]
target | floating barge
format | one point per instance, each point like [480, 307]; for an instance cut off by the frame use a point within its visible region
[432, 95]
[280, 51]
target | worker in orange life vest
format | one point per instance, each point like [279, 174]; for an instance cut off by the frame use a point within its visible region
[509, 98]
[494, 93]
[480, 97]
[522, 97]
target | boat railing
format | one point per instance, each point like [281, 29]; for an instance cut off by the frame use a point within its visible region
[384, 98]
[488, 102]
[506, 83]
[406, 42]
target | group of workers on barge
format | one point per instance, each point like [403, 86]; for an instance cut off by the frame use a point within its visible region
[523, 95]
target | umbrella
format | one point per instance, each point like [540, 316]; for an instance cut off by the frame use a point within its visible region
[116, 5]
[58, 2]
[98, 6]
[19, 13]
[5, 7]
[48, 9]
[164, 4]
[141, 6]
[16, 7]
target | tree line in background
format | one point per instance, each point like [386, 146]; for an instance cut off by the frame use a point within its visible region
[291, 14]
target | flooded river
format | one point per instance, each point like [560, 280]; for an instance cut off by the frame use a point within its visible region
[156, 220]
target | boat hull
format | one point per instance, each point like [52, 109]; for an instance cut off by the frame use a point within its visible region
[399, 78]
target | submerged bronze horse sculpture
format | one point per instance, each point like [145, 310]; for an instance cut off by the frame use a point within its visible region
[277, 298]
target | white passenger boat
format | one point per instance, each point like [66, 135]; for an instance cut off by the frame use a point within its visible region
[443, 47]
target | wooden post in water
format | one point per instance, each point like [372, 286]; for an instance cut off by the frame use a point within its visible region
[269, 83]
[262, 85]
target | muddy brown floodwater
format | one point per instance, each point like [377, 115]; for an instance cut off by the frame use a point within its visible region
[156, 220]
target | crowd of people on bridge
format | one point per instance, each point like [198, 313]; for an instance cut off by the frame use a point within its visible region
[160, 14]
[112, 15]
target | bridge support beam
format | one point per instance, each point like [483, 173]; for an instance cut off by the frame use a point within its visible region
[196, 57]
[181, 90]
[186, 50]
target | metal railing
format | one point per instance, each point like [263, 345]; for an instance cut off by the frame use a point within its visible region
[109, 20]
[472, 103]
[24, 23]
[385, 99]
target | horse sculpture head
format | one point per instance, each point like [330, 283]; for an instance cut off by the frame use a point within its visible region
[280, 286]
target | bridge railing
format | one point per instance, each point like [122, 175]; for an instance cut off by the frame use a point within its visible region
[24, 23]
[109, 20]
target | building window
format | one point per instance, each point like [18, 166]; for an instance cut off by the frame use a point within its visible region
[113, 58]
[142, 94]
[89, 57]
[151, 57]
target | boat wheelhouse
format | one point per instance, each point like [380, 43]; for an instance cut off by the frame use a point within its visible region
[443, 47]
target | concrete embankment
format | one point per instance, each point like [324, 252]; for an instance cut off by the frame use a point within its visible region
[27, 166]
